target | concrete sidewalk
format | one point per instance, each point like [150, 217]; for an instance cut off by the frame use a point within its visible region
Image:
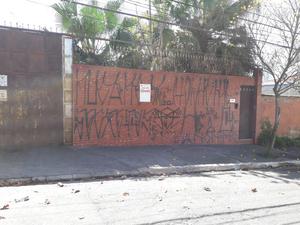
[69, 163]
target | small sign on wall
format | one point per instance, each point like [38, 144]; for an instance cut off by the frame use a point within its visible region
[3, 95]
[232, 100]
[145, 92]
[3, 80]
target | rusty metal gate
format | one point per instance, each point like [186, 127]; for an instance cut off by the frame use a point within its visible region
[31, 108]
[247, 112]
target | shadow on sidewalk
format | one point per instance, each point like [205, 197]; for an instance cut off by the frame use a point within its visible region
[60, 161]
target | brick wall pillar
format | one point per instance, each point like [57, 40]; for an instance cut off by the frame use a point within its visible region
[258, 83]
[67, 90]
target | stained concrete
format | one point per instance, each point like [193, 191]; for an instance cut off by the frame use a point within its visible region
[235, 197]
[54, 162]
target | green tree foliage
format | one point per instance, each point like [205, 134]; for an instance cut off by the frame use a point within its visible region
[88, 24]
[206, 27]
[216, 27]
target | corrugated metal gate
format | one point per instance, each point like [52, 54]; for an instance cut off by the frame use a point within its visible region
[247, 112]
[32, 113]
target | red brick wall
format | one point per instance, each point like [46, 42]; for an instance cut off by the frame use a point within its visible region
[184, 108]
[290, 114]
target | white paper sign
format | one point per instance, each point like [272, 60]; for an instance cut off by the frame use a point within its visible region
[3, 80]
[3, 95]
[145, 92]
[232, 100]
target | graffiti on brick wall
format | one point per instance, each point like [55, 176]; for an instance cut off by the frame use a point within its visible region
[184, 109]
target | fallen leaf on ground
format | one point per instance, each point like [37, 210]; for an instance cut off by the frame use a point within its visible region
[125, 194]
[59, 184]
[254, 190]
[5, 207]
[207, 189]
[25, 199]
[161, 178]
[76, 191]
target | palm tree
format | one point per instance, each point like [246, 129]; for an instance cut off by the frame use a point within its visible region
[87, 25]
[207, 27]
[208, 17]
[215, 27]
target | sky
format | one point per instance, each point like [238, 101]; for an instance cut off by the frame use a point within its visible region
[32, 13]
[38, 13]
[35, 13]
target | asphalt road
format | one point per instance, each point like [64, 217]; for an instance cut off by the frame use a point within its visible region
[240, 197]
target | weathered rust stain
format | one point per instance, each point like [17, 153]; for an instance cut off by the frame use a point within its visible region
[33, 114]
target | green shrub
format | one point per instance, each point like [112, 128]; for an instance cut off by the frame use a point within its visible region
[265, 135]
[297, 142]
[284, 142]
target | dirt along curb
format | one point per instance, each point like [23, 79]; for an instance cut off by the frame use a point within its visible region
[148, 172]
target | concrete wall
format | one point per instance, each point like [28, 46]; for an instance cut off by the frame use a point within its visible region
[290, 114]
[67, 91]
[184, 108]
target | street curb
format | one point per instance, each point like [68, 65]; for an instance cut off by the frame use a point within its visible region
[148, 172]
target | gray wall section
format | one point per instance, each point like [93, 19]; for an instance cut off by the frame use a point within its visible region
[267, 89]
[32, 115]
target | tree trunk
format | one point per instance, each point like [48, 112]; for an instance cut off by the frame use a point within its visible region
[276, 123]
[161, 43]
